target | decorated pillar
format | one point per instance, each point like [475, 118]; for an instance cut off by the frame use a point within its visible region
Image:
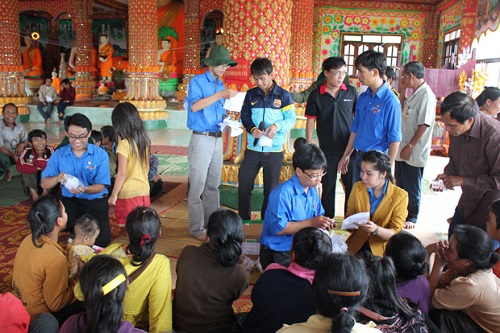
[302, 30]
[260, 29]
[142, 79]
[431, 37]
[467, 23]
[84, 67]
[11, 69]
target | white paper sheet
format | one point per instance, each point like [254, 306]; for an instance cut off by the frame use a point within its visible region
[235, 103]
[352, 221]
[265, 141]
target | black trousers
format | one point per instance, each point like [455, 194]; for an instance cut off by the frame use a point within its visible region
[329, 183]
[98, 208]
[268, 256]
[250, 166]
[409, 178]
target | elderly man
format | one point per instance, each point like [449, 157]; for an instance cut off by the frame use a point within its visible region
[474, 159]
[205, 110]
[417, 121]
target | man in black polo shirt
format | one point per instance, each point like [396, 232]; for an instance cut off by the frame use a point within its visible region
[331, 108]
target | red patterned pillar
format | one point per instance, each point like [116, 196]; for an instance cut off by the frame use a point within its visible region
[84, 78]
[258, 28]
[467, 23]
[11, 76]
[301, 59]
[142, 79]
[431, 36]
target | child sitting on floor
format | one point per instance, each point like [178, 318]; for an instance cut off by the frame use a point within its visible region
[97, 137]
[86, 232]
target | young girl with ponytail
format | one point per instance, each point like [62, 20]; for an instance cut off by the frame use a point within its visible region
[148, 301]
[209, 279]
[340, 287]
[103, 281]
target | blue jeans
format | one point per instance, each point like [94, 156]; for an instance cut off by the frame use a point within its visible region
[409, 178]
[45, 111]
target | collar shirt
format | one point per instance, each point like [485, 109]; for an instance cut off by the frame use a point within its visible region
[10, 138]
[377, 122]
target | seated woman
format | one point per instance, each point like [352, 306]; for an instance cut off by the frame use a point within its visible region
[209, 278]
[340, 287]
[40, 277]
[385, 202]
[90, 165]
[468, 293]
[391, 313]
[104, 282]
[489, 101]
[283, 295]
[409, 257]
[148, 301]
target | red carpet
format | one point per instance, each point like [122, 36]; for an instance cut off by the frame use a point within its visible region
[169, 150]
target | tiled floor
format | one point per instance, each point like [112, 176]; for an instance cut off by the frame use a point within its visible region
[435, 207]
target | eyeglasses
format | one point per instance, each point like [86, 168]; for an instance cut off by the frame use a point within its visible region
[314, 176]
[338, 74]
[404, 75]
[75, 138]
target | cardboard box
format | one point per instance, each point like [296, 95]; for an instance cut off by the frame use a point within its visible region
[251, 231]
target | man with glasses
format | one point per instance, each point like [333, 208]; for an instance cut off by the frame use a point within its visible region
[330, 109]
[294, 205]
[205, 102]
[417, 121]
[268, 114]
[377, 121]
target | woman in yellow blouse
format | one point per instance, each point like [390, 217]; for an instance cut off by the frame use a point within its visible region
[386, 203]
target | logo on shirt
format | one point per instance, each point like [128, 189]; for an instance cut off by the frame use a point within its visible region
[253, 103]
[277, 103]
[90, 166]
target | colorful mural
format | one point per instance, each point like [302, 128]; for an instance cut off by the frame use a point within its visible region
[117, 33]
[449, 20]
[333, 21]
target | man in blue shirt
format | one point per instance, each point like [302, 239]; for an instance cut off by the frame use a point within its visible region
[377, 121]
[294, 205]
[205, 102]
[267, 113]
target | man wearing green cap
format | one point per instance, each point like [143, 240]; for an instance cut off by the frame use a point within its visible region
[206, 95]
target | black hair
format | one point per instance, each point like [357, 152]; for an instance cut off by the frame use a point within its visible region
[128, 125]
[495, 209]
[86, 225]
[383, 298]
[408, 254]
[333, 63]
[308, 157]
[372, 60]
[43, 216]
[309, 246]
[10, 104]
[104, 312]
[416, 68]
[47, 77]
[390, 72]
[108, 132]
[79, 120]
[225, 231]
[96, 136]
[380, 161]
[489, 93]
[36, 133]
[460, 106]
[143, 229]
[261, 66]
[475, 245]
[298, 142]
[335, 278]
[65, 81]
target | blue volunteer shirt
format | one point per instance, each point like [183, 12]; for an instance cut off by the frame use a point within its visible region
[377, 121]
[207, 119]
[91, 168]
[288, 202]
[375, 202]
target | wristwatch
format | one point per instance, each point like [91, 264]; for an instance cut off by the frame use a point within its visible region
[375, 233]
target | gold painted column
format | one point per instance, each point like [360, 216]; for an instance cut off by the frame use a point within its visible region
[11, 69]
[467, 23]
[84, 84]
[142, 80]
[431, 36]
[301, 45]
[258, 28]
